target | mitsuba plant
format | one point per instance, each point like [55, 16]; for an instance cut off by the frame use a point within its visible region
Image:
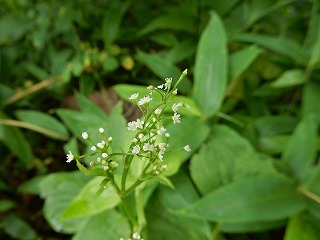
[148, 146]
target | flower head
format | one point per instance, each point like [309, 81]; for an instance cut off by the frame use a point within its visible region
[144, 100]
[176, 118]
[136, 149]
[187, 148]
[70, 157]
[101, 130]
[134, 96]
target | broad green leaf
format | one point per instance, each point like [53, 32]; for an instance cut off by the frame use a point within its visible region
[242, 59]
[17, 228]
[58, 190]
[86, 203]
[224, 7]
[183, 134]
[254, 226]
[313, 25]
[210, 73]
[290, 78]
[47, 124]
[225, 158]
[302, 227]
[86, 105]
[31, 186]
[261, 198]
[301, 150]
[163, 224]
[109, 225]
[285, 47]
[111, 22]
[310, 99]
[164, 69]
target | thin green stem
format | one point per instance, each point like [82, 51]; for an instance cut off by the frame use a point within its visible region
[128, 212]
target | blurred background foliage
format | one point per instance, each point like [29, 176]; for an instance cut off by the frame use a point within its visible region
[266, 95]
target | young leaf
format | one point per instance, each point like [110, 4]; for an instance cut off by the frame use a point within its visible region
[261, 198]
[210, 77]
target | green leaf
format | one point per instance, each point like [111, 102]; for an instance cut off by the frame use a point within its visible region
[315, 53]
[182, 135]
[182, 22]
[285, 47]
[111, 22]
[109, 225]
[47, 124]
[164, 69]
[6, 205]
[301, 150]
[242, 59]
[310, 99]
[210, 74]
[225, 158]
[17, 228]
[302, 227]
[261, 198]
[14, 139]
[86, 203]
[290, 78]
[275, 125]
[163, 224]
[254, 226]
[58, 190]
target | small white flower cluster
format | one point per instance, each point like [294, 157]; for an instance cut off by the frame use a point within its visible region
[135, 236]
[158, 169]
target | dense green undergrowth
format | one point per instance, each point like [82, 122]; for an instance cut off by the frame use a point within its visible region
[253, 124]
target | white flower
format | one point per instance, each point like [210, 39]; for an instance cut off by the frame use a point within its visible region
[134, 125]
[104, 155]
[148, 147]
[162, 86]
[101, 130]
[100, 145]
[144, 100]
[158, 111]
[134, 140]
[175, 92]
[162, 146]
[176, 118]
[187, 148]
[93, 148]
[136, 149]
[176, 106]
[161, 130]
[69, 157]
[98, 159]
[185, 72]
[160, 157]
[136, 236]
[167, 135]
[134, 96]
[110, 139]
[85, 135]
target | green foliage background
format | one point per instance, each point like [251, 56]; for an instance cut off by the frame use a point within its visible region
[253, 126]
